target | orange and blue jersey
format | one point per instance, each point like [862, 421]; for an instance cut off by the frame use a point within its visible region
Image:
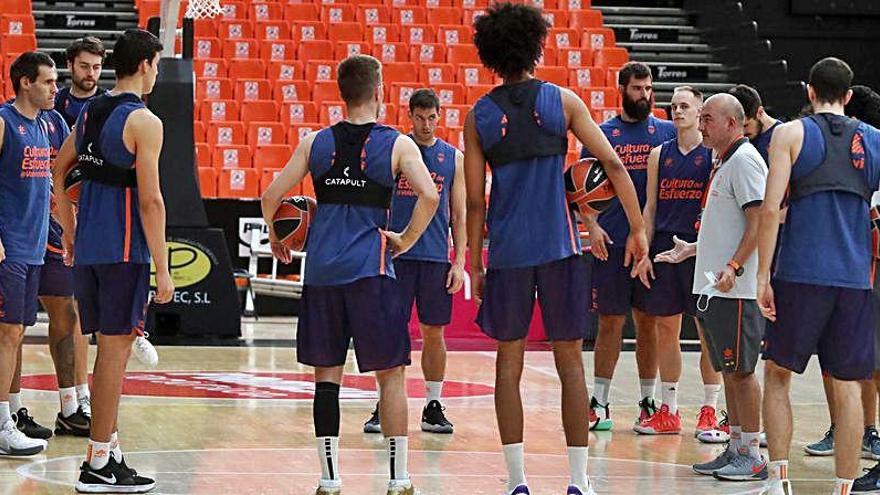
[70, 106]
[681, 183]
[529, 220]
[762, 142]
[826, 238]
[25, 172]
[58, 132]
[108, 228]
[344, 240]
[433, 245]
[633, 142]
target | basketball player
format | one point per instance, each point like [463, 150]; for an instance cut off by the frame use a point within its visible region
[85, 59]
[677, 174]
[819, 299]
[725, 250]
[424, 272]
[354, 165]
[633, 135]
[25, 170]
[520, 129]
[759, 124]
[120, 223]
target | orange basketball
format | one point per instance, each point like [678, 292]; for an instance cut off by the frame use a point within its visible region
[73, 183]
[587, 187]
[292, 219]
[875, 231]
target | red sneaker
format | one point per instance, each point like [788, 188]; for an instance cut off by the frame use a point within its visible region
[662, 422]
[706, 420]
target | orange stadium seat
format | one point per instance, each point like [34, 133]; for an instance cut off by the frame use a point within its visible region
[285, 70]
[203, 155]
[16, 7]
[428, 53]
[470, 15]
[605, 114]
[556, 18]
[225, 133]
[338, 12]
[315, 50]
[271, 156]
[564, 38]
[332, 112]
[400, 71]
[287, 91]
[373, 14]
[325, 91]
[453, 115]
[388, 114]
[308, 31]
[299, 131]
[574, 58]
[253, 89]
[476, 91]
[259, 111]
[584, 19]
[408, 15]
[266, 11]
[298, 112]
[401, 92]
[301, 12]
[382, 33]
[417, 34]
[586, 77]
[348, 48]
[473, 74]
[246, 69]
[454, 34]
[205, 28]
[455, 137]
[214, 89]
[549, 57]
[604, 97]
[218, 110]
[241, 48]
[462, 54]
[543, 4]
[199, 132]
[208, 182]
[436, 4]
[554, 74]
[660, 113]
[235, 29]
[210, 67]
[450, 93]
[208, 48]
[238, 183]
[596, 38]
[391, 52]
[612, 76]
[321, 70]
[231, 156]
[470, 4]
[270, 132]
[19, 43]
[436, 73]
[277, 50]
[444, 15]
[611, 57]
[234, 10]
[272, 30]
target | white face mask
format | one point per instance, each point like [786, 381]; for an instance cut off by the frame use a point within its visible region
[708, 291]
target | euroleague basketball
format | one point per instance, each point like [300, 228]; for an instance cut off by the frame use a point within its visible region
[73, 183]
[587, 187]
[292, 219]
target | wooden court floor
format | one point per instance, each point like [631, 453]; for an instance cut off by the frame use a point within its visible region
[237, 420]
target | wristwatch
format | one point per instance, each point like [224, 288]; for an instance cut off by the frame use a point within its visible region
[737, 268]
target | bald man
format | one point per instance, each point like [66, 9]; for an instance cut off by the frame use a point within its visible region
[725, 281]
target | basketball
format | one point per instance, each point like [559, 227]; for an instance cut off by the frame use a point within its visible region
[587, 187]
[875, 231]
[73, 183]
[291, 221]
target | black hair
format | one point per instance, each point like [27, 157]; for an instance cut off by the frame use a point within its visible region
[28, 65]
[864, 105]
[88, 44]
[424, 98]
[510, 38]
[830, 79]
[132, 48]
[631, 70]
[749, 99]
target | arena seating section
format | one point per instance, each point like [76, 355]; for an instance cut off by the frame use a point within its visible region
[17, 35]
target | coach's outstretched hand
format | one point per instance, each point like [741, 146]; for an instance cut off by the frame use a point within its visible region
[682, 251]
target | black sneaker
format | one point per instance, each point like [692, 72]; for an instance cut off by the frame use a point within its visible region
[77, 424]
[433, 419]
[112, 478]
[869, 483]
[26, 424]
[372, 425]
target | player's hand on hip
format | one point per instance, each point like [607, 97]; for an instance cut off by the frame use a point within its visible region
[766, 300]
[455, 278]
[636, 248]
[645, 272]
[726, 279]
[164, 288]
[599, 241]
[680, 252]
[397, 243]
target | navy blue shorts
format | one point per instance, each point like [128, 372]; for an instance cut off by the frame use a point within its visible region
[367, 311]
[56, 278]
[613, 288]
[837, 323]
[18, 292]
[112, 298]
[424, 282]
[671, 292]
[562, 291]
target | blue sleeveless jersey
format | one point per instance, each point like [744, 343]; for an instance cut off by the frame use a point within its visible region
[58, 132]
[108, 228]
[344, 243]
[25, 172]
[70, 106]
[762, 142]
[826, 236]
[633, 142]
[528, 219]
[680, 187]
[434, 243]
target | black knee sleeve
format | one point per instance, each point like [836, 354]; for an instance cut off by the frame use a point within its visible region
[325, 409]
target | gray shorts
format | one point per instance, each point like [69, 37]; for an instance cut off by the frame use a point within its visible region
[733, 329]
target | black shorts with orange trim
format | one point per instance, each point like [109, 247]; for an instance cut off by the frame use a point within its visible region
[733, 329]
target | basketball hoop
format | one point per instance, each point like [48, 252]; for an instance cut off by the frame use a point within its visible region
[203, 9]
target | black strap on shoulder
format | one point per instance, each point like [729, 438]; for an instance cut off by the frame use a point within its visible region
[91, 161]
[524, 136]
[345, 182]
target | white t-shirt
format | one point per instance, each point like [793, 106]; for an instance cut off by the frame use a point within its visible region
[739, 181]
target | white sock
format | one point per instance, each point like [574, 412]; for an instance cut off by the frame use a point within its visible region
[751, 442]
[98, 454]
[115, 449]
[82, 391]
[735, 438]
[397, 454]
[710, 395]
[577, 462]
[778, 470]
[513, 457]
[647, 386]
[842, 487]
[15, 402]
[68, 400]
[602, 389]
[669, 395]
[434, 390]
[5, 415]
[328, 455]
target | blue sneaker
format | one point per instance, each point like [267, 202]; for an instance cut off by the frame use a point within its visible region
[520, 490]
[824, 447]
[574, 490]
[871, 444]
[869, 483]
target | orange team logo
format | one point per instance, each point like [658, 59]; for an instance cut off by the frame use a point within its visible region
[615, 133]
[669, 161]
[698, 161]
[441, 157]
[728, 353]
[858, 152]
